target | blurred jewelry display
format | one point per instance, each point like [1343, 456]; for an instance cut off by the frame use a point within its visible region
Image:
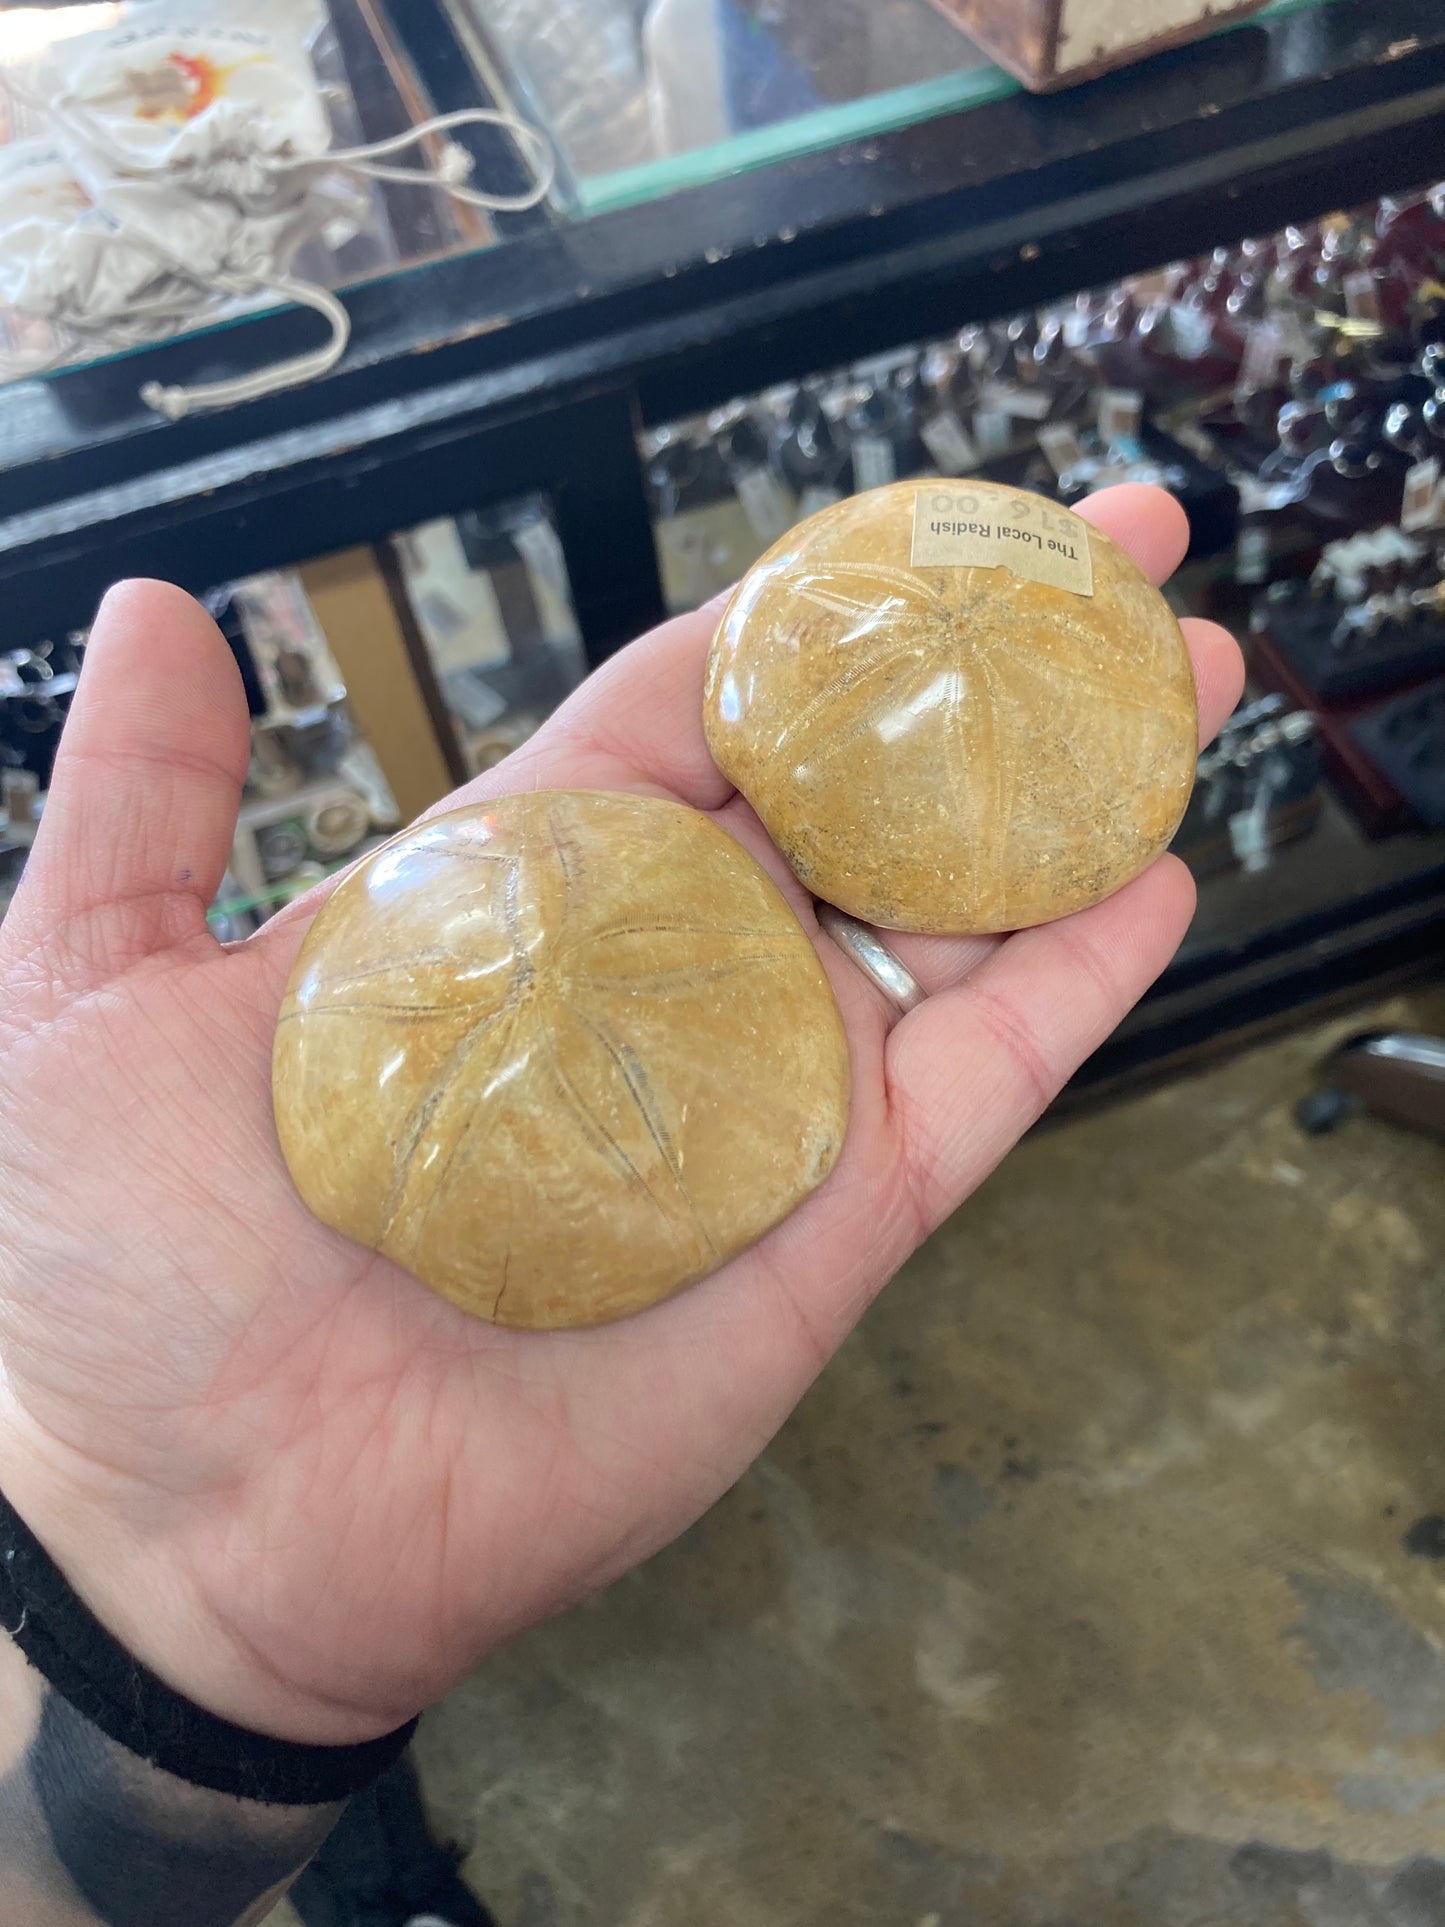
[36, 686]
[314, 795]
[1290, 390]
[1258, 788]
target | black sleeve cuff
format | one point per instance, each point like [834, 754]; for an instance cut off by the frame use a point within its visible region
[67, 1645]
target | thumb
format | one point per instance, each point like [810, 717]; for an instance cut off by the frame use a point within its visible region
[142, 807]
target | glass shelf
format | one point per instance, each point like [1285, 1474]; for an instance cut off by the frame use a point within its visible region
[644, 98]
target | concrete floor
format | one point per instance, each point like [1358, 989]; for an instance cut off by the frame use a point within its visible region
[1087, 1589]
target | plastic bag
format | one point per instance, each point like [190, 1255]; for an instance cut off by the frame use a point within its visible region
[61, 261]
[216, 109]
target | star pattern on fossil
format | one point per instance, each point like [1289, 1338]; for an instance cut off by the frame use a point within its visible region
[543, 1009]
[908, 647]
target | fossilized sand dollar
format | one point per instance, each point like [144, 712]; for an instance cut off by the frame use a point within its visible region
[559, 1055]
[937, 741]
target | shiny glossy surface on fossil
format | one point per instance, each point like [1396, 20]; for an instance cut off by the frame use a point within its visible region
[559, 1055]
[952, 749]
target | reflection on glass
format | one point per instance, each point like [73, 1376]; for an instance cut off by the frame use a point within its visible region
[647, 96]
[491, 598]
[624, 85]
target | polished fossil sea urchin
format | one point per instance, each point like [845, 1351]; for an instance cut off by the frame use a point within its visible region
[956, 707]
[559, 1055]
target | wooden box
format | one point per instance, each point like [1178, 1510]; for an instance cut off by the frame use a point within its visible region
[1058, 43]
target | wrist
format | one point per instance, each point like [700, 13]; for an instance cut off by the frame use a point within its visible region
[126, 1558]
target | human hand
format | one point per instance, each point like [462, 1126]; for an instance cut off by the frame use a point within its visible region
[303, 1489]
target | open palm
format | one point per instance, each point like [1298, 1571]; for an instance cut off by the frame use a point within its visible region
[306, 1491]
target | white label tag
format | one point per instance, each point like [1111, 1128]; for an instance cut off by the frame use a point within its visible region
[950, 444]
[1253, 558]
[1294, 337]
[1121, 414]
[816, 497]
[960, 528]
[1062, 446]
[764, 503]
[1362, 297]
[540, 547]
[1193, 330]
[1012, 398]
[874, 463]
[1076, 328]
[994, 431]
[1424, 499]
[1263, 353]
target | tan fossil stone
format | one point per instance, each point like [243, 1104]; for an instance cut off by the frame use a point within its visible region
[559, 1055]
[956, 748]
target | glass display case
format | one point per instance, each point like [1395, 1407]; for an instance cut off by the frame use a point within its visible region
[315, 794]
[628, 100]
[644, 97]
[36, 685]
[1290, 391]
[797, 263]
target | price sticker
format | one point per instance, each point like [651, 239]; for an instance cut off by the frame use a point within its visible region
[1424, 499]
[963, 528]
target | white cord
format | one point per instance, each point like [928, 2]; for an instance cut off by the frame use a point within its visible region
[535, 146]
[452, 177]
[457, 163]
[176, 403]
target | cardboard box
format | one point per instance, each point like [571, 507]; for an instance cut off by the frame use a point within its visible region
[1058, 43]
